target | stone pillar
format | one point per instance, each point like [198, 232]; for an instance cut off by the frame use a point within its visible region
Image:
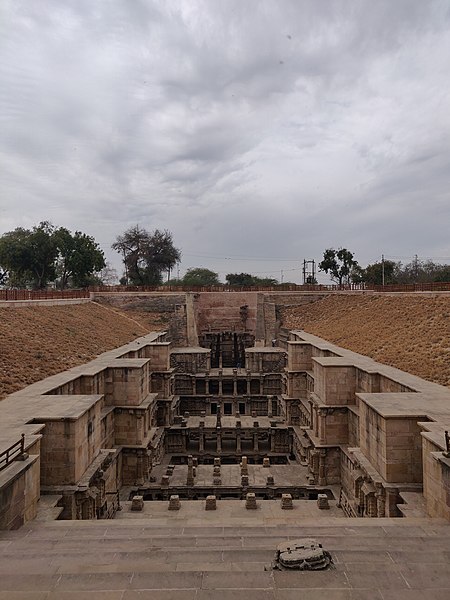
[381, 502]
[244, 466]
[207, 386]
[250, 501]
[272, 439]
[371, 505]
[322, 413]
[174, 502]
[322, 470]
[234, 382]
[139, 428]
[322, 502]
[269, 406]
[140, 467]
[219, 441]
[238, 443]
[137, 503]
[248, 385]
[286, 502]
[201, 437]
[255, 442]
[190, 473]
[210, 503]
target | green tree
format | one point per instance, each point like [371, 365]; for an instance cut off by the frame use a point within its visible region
[29, 256]
[373, 273]
[245, 279]
[79, 258]
[339, 265]
[200, 276]
[146, 255]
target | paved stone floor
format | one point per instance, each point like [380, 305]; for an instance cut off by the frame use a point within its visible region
[293, 475]
[198, 555]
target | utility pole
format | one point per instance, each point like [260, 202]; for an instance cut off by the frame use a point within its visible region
[382, 270]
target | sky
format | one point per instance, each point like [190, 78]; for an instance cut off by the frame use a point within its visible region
[258, 132]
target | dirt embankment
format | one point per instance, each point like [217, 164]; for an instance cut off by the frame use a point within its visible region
[411, 333]
[40, 341]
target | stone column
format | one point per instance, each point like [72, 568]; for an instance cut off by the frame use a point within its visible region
[272, 439]
[238, 443]
[269, 406]
[255, 442]
[194, 386]
[248, 385]
[219, 441]
[322, 471]
[201, 438]
[234, 382]
[371, 504]
[322, 413]
[381, 502]
[139, 428]
[207, 386]
[140, 468]
[190, 473]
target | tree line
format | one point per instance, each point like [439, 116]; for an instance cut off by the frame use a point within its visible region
[47, 255]
[343, 268]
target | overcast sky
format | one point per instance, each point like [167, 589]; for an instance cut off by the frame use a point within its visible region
[258, 132]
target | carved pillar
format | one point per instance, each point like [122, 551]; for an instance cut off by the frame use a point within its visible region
[201, 441]
[238, 443]
[322, 471]
[381, 502]
[139, 429]
[140, 468]
[371, 505]
[219, 441]
[272, 439]
[269, 406]
[255, 442]
[322, 413]
[248, 385]
[194, 386]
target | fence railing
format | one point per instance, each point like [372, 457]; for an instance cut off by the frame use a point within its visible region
[12, 453]
[10, 295]
[413, 287]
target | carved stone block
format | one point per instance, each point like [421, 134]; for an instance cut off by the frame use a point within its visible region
[137, 503]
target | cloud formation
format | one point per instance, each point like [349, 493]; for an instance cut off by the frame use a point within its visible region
[252, 130]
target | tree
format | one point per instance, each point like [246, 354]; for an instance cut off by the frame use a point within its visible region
[146, 255]
[339, 264]
[373, 273]
[199, 276]
[79, 258]
[245, 279]
[29, 256]
[36, 257]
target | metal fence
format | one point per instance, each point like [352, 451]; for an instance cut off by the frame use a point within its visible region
[11, 295]
[12, 453]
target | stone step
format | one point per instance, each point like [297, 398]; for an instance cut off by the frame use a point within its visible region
[47, 509]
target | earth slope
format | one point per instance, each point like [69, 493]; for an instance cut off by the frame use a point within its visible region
[410, 332]
[39, 341]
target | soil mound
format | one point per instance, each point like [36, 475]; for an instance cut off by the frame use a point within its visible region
[39, 341]
[409, 332]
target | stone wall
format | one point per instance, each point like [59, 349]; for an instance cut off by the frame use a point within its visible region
[221, 311]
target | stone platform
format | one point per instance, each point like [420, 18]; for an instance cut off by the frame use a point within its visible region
[193, 554]
[294, 475]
